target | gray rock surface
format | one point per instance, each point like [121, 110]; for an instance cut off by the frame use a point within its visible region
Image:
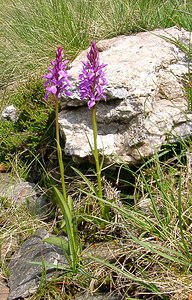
[146, 105]
[23, 192]
[9, 113]
[25, 277]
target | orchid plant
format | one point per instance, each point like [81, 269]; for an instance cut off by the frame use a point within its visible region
[92, 83]
[57, 83]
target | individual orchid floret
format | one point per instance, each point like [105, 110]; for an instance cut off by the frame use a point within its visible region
[57, 81]
[92, 80]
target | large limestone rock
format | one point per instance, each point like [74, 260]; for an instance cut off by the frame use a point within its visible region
[146, 104]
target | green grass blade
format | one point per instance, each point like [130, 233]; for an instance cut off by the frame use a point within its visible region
[87, 181]
[174, 256]
[143, 282]
[58, 241]
[72, 241]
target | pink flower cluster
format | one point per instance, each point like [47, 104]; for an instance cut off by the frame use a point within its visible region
[57, 78]
[92, 80]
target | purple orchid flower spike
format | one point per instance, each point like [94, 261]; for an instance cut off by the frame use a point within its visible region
[57, 78]
[92, 80]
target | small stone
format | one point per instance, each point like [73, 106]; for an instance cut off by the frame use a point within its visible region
[9, 113]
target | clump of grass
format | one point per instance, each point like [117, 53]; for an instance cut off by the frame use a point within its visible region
[124, 17]
[32, 29]
[156, 247]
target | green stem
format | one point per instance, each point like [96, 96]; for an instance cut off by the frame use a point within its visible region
[59, 152]
[67, 205]
[104, 209]
[95, 152]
